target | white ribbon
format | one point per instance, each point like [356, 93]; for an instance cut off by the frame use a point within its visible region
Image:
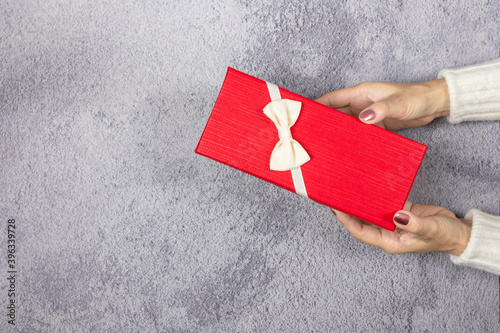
[288, 154]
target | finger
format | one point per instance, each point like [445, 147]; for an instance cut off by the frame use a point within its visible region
[346, 110]
[352, 224]
[378, 111]
[429, 210]
[366, 233]
[349, 110]
[410, 222]
[338, 98]
[408, 205]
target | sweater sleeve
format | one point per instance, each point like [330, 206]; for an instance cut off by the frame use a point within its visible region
[475, 95]
[483, 249]
[474, 92]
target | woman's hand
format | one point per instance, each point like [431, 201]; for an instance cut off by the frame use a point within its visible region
[419, 229]
[392, 105]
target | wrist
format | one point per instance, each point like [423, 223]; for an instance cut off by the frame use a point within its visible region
[439, 97]
[462, 238]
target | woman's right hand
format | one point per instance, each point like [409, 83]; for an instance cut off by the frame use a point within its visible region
[392, 105]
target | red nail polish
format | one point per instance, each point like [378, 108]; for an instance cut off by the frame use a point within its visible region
[402, 218]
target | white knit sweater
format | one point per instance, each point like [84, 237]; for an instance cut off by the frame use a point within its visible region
[475, 95]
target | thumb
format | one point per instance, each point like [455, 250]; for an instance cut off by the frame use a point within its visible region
[412, 223]
[376, 112]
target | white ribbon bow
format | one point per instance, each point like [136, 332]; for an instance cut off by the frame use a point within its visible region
[288, 153]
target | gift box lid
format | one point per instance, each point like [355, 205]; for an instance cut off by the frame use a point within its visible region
[362, 170]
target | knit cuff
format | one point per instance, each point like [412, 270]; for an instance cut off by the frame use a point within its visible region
[483, 249]
[474, 92]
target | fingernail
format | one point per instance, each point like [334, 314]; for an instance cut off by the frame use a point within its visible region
[333, 211]
[402, 218]
[367, 115]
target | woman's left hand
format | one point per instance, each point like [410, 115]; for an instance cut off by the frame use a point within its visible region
[419, 229]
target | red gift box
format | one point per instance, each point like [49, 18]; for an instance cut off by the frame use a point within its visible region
[362, 170]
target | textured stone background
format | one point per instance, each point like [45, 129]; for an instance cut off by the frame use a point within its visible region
[122, 228]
